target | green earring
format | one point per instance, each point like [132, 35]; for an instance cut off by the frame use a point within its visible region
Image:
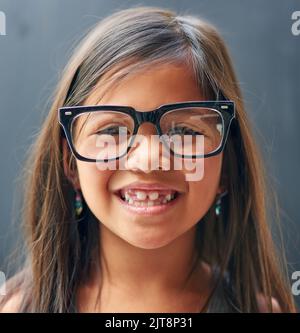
[218, 205]
[78, 204]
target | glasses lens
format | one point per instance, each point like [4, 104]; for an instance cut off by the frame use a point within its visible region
[193, 130]
[102, 135]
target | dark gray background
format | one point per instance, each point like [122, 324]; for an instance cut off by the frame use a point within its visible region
[266, 55]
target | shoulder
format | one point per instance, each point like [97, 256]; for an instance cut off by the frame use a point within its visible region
[12, 303]
[262, 302]
[13, 298]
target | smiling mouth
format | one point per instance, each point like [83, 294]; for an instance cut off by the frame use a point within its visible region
[143, 198]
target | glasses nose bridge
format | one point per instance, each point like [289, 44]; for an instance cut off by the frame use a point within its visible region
[146, 117]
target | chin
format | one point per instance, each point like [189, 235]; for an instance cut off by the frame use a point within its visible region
[149, 243]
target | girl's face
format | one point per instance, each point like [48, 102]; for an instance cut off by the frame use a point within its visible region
[156, 226]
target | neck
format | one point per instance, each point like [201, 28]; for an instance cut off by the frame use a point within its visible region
[165, 269]
[134, 279]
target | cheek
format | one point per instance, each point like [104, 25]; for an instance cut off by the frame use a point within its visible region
[93, 183]
[202, 193]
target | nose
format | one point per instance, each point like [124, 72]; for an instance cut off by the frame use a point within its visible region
[147, 152]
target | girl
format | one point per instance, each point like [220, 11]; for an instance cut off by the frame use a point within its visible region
[106, 232]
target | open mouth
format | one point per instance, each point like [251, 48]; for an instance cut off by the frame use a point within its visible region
[146, 198]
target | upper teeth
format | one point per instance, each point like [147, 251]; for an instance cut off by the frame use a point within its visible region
[152, 195]
[139, 195]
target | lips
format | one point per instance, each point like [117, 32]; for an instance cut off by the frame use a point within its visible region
[150, 186]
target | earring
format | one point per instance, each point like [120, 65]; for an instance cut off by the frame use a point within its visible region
[218, 205]
[78, 204]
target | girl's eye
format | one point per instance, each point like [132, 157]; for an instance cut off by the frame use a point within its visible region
[113, 130]
[181, 130]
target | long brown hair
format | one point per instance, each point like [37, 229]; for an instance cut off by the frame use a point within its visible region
[60, 249]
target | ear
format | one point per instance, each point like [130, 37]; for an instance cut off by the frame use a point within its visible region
[223, 185]
[221, 190]
[72, 175]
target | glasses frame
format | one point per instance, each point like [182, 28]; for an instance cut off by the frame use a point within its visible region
[225, 108]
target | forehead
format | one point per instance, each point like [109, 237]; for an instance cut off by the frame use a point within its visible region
[149, 88]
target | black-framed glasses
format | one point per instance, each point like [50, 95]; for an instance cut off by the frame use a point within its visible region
[193, 129]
